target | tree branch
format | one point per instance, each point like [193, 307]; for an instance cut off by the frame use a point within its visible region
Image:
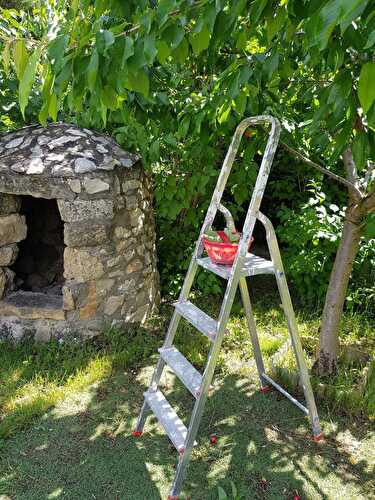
[350, 169]
[350, 166]
[136, 27]
[356, 192]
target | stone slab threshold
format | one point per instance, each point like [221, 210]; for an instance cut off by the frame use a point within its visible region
[32, 305]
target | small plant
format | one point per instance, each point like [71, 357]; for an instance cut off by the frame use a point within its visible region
[215, 236]
[222, 495]
[232, 237]
[212, 235]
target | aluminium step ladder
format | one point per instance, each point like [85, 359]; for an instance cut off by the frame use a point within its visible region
[245, 264]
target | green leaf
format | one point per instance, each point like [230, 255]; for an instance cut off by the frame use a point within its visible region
[92, 70]
[271, 65]
[370, 40]
[371, 117]
[20, 57]
[46, 95]
[256, 9]
[100, 7]
[233, 87]
[183, 126]
[200, 41]
[43, 113]
[361, 149]
[150, 50]
[369, 232]
[321, 25]
[109, 97]
[240, 103]
[173, 35]
[241, 41]
[181, 52]
[139, 82]
[350, 10]
[53, 107]
[27, 79]
[275, 22]
[138, 60]
[209, 17]
[63, 78]
[163, 51]
[5, 56]
[103, 113]
[128, 50]
[340, 90]
[56, 50]
[366, 86]
[154, 151]
[221, 493]
[104, 39]
[224, 112]
[146, 21]
[234, 490]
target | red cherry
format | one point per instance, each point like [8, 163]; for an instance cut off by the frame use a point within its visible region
[213, 439]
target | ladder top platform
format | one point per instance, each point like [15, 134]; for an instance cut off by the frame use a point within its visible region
[252, 266]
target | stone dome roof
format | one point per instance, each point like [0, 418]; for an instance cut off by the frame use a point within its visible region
[60, 150]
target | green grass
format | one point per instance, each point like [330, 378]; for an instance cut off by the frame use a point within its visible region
[67, 409]
[83, 448]
[36, 377]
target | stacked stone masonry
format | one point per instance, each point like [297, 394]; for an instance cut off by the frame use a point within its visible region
[104, 198]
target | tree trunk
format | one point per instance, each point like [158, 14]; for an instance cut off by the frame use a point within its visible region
[336, 293]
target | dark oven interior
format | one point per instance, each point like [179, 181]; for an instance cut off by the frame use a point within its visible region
[40, 263]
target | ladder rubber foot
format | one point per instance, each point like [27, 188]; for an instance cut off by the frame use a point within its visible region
[137, 433]
[265, 389]
[318, 437]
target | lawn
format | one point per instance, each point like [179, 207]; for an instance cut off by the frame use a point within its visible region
[67, 412]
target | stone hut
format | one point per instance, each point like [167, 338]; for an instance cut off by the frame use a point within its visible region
[77, 237]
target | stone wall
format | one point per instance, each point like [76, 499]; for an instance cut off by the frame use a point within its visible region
[105, 202]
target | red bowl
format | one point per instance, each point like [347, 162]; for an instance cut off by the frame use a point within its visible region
[222, 252]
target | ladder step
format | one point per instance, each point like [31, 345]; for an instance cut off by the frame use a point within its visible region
[253, 265]
[168, 418]
[185, 371]
[202, 322]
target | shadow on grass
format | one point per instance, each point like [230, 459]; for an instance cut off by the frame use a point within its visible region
[35, 377]
[83, 448]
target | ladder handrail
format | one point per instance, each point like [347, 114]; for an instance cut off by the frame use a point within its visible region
[254, 205]
[222, 180]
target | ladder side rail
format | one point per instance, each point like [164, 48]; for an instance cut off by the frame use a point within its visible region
[291, 320]
[253, 330]
[233, 279]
